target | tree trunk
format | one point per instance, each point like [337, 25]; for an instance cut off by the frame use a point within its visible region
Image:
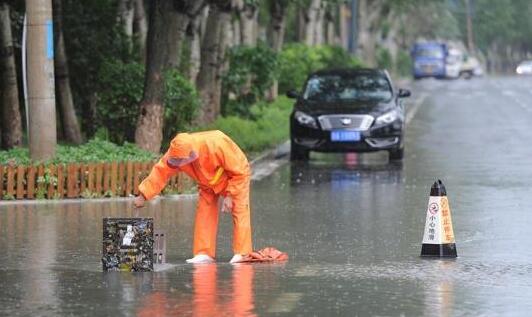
[344, 26]
[178, 24]
[182, 13]
[11, 130]
[125, 16]
[368, 14]
[70, 123]
[391, 39]
[149, 132]
[212, 55]
[318, 25]
[277, 27]
[163, 53]
[141, 27]
[248, 24]
[301, 24]
[203, 25]
[309, 18]
[330, 17]
[195, 48]
[41, 86]
[90, 112]
[236, 32]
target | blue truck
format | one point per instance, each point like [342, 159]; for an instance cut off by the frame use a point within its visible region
[429, 59]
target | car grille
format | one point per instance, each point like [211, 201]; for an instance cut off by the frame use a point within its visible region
[345, 121]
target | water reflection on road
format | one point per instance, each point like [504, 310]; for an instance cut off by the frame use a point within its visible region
[352, 226]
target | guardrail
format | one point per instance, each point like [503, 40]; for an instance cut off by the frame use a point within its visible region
[77, 180]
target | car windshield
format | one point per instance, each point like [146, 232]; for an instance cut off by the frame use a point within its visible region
[429, 52]
[341, 88]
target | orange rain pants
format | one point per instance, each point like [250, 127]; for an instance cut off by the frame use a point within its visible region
[221, 169]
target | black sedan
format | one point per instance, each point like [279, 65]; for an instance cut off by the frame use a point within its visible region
[348, 110]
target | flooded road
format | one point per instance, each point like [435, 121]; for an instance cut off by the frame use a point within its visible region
[352, 226]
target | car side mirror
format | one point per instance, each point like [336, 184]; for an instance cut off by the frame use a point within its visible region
[292, 94]
[404, 93]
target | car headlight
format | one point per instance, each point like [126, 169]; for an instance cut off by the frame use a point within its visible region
[388, 117]
[305, 119]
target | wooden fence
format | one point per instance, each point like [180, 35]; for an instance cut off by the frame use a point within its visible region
[79, 180]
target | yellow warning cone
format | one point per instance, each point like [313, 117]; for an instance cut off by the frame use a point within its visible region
[438, 238]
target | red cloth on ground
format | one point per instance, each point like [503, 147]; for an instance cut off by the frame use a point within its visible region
[269, 254]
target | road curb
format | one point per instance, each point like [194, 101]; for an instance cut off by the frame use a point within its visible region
[277, 152]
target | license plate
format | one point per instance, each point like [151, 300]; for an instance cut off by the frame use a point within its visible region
[345, 136]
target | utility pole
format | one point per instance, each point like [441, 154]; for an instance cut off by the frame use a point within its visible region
[470, 42]
[41, 87]
[353, 27]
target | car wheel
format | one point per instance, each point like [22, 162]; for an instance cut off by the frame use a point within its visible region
[298, 153]
[397, 154]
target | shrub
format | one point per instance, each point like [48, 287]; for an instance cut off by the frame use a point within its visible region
[251, 72]
[92, 36]
[384, 59]
[96, 150]
[268, 126]
[121, 92]
[403, 64]
[181, 104]
[337, 57]
[297, 61]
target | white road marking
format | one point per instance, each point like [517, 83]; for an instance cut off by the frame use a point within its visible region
[263, 169]
[410, 115]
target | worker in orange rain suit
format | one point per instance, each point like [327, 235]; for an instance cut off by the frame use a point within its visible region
[220, 168]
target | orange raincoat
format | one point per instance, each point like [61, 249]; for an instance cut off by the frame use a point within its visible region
[221, 169]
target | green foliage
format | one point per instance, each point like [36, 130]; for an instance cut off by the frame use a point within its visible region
[268, 127]
[121, 92]
[253, 3]
[297, 61]
[121, 87]
[424, 19]
[251, 72]
[92, 36]
[403, 64]
[384, 58]
[181, 104]
[8, 197]
[43, 182]
[16, 155]
[88, 194]
[95, 150]
[502, 22]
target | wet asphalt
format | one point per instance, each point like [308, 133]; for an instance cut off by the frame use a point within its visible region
[352, 226]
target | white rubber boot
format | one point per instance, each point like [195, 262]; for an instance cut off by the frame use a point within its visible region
[237, 258]
[201, 259]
